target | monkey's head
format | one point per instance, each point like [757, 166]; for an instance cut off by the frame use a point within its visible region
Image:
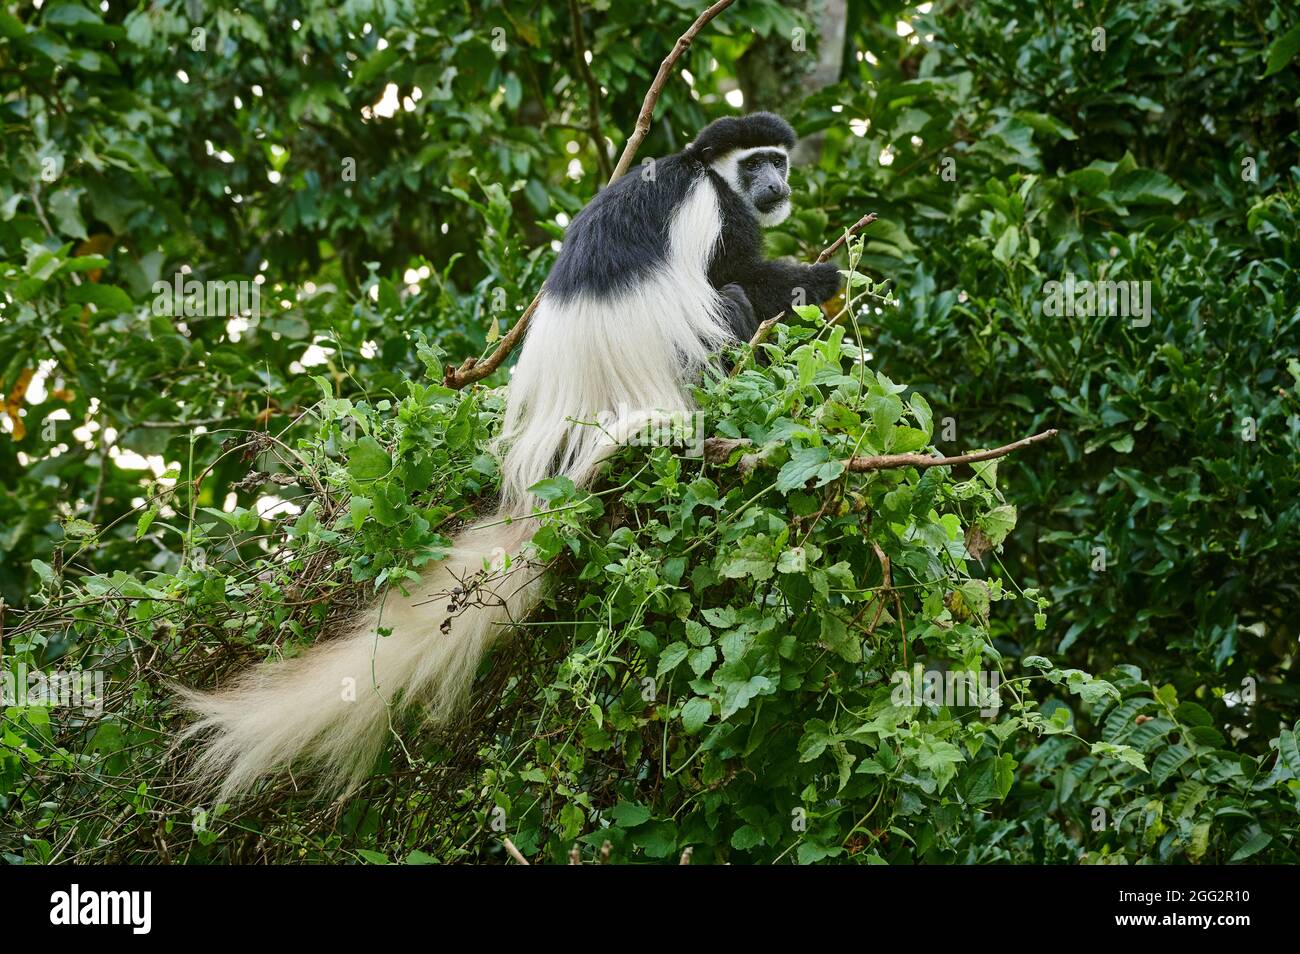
[751, 154]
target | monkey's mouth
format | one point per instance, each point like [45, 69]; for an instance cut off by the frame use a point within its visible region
[773, 213]
[769, 205]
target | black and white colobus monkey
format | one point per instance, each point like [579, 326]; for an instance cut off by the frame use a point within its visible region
[658, 272]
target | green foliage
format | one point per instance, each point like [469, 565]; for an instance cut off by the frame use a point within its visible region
[1162, 524]
[720, 661]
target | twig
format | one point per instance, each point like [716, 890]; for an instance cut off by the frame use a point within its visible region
[764, 329]
[472, 369]
[513, 851]
[593, 93]
[851, 231]
[203, 422]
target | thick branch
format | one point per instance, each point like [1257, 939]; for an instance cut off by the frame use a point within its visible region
[472, 369]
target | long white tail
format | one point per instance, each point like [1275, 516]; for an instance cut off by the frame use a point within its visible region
[334, 706]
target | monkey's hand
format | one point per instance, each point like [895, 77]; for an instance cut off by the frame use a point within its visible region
[739, 312]
[823, 282]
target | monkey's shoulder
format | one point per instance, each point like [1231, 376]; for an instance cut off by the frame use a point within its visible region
[622, 234]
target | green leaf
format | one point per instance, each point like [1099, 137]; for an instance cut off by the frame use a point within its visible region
[1147, 187]
[997, 523]
[1283, 50]
[747, 837]
[940, 759]
[1008, 245]
[1124, 753]
[44, 572]
[808, 464]
[358, 509]
[368, 460]
[695, 714]
[738, 687]
[836, 637]
[105, 298]
[629, 814]
[77, 529]
[672, 657]
[146, 520]
[65, 210]
[1252, 846]
[1288, 754]
[816, 737]
[753, 558]
[554, 488]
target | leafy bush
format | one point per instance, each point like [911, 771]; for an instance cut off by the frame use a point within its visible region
[722, 666]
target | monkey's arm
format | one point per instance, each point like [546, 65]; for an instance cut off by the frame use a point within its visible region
[738, 311]
[774, 288]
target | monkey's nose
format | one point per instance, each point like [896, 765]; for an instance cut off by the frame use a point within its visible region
[772, 196]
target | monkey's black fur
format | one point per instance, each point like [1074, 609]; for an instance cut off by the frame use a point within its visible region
[621, 237]
[622, 234]
[771, 287]
[741, 132]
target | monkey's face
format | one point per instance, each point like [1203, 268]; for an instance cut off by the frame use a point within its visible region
[759, 177]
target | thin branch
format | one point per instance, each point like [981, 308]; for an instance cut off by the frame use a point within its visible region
[202, 422]
[472, 369]
[851, 231]
[593, 93]
[646, 115]
[718, 450]
[513, 851]
[765, 327]
[859, 465]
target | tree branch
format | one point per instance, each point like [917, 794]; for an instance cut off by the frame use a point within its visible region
[718, 450]
[860, 465]
[593, 93]
[514, 852]
[472, 369]
[646, 115]
[851, 231]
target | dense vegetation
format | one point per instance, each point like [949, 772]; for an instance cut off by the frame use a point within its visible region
[187, 491]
